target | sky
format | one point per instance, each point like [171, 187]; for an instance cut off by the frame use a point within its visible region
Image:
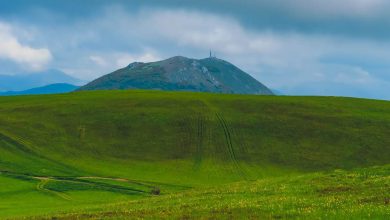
[297, 47]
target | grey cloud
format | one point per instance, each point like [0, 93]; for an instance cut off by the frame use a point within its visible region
[352, 18]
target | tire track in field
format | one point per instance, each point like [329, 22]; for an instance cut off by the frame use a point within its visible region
[20, 145]
[200, 134]
[104, 186]
[229, 143]
[240, 141]
[41, 187]
[230, 137]
[84, 180]
[147, 189]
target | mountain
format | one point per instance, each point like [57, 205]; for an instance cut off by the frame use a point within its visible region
[26, 81]
[181, 74]
[49, 89]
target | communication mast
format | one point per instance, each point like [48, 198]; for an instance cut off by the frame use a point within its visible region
[211, 55]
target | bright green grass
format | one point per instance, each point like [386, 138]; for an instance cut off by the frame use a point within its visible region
[185, 144]
[20, 198]
[359, 194]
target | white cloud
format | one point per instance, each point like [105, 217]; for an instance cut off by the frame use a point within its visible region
[98, 60]
[29, 57]
[355, 75]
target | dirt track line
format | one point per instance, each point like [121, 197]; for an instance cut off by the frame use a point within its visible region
[199, 142]
[116, 179]
[41, 187]
[149, 184]
[26, 147]
[229, 143]
[104, 185]
[104, 178]
[45, 180]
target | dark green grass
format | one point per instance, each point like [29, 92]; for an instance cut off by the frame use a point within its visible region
[131, 142]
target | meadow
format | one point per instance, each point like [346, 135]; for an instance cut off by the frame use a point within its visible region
[152, 154]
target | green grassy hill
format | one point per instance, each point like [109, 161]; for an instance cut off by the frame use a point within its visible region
[85, 150]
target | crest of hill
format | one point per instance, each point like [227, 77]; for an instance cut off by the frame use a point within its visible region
[181, 74]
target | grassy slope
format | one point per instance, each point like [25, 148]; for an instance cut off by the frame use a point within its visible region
[359, 194]
[173, 141]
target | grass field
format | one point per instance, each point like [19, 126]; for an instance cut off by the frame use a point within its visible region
[105, 154]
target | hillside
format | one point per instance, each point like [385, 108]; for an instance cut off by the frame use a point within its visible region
[181, 74]
[358, 194]
[48, 89]
[85, 150]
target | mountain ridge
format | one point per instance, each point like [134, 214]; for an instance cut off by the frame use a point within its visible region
[25, 81]
[48, 89]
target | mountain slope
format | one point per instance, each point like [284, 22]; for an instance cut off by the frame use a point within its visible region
[357, 194]
[181, 74]
[32, 80]
[49, 89]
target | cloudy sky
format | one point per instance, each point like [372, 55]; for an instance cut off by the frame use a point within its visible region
[299, 47]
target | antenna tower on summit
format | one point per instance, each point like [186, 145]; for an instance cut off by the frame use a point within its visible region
[211, 55]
